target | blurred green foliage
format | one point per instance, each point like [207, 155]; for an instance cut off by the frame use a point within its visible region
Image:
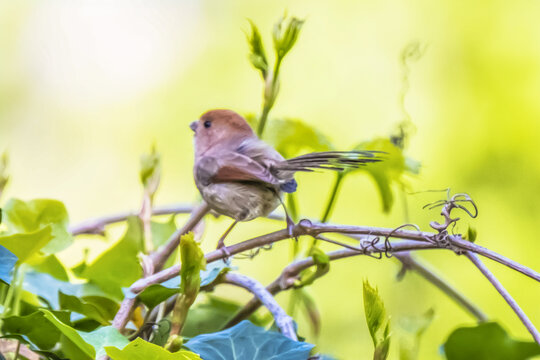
[75, 114]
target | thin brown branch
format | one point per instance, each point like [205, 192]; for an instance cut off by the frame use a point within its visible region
[289, 275]
[283, 321]
[162, 254]
[97, 225]
[305, 227]
[409, 262]
[157, 260]
[505, 294]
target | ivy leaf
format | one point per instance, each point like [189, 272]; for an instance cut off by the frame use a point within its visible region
[7, 263]
[161, 232]
[139, 349]
[73, 335]
[247, 341]
[377, 320]
[119, 266]
[290, 136]
[27, 245]
[416, 326]
[157, 293]
[50, 265]
[212, 314]
[104, 337]
[48, 287]
[487, 341]
[285, 34]
[35, 327]
[257, 55]
[97, 308]
[34, 215]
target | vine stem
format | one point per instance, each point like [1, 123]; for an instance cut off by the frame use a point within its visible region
[283, 321]
[505, 294]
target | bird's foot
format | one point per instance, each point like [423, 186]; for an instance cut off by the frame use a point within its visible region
[221, 246]
[290, 228]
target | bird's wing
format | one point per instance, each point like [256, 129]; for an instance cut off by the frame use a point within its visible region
[232, 166]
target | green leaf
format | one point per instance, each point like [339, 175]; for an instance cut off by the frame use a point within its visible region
[157, 293]
[322, 266]
[212, 314]
[487, 341]
[257, 55]
[377, 320]
[50, 265]
[48, 287]
[291, 136]
[150, 172]
[34, 215]
[4, 177]
[247, 341]
[416, 326]
[161, 232]
[94, 307]
[471, 234]
[119, 266]
[72, 334]
[104, 337]
[35, 327]
[385, 172]
[193, 262]
[27, 245]
[285, 34]
[7, 263]
[139, 349]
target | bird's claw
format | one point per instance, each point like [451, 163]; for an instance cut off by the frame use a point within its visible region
[290, 229]
[221, 246]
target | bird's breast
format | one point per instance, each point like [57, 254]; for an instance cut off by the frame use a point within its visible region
[241, 201]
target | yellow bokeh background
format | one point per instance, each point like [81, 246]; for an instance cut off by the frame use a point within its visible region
[88, 86]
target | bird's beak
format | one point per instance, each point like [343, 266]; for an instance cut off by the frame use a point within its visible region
[193, 126]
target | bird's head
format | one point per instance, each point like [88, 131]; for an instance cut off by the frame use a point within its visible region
[219, 127]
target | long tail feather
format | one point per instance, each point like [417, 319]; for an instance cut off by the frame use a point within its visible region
[329, 160]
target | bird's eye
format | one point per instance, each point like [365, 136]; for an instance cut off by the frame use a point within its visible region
[207, 124]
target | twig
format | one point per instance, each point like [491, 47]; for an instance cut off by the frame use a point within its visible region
[288, 276]
[409, 262]
[283, 321]
[97, 225]
[305, 227]
[162, 254]
[157, 260]
[505, 294]
[124, 313]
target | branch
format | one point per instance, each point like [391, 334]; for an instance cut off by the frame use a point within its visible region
[97, 225]
[157, 260]
[162, 254]
[305, 227]
[409, 262]
[283, 321]
[505, 294]
[289, 275]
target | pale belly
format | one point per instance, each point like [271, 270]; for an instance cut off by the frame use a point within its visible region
[242, 202]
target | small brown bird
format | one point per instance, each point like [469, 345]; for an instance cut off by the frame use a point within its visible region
[242, 177]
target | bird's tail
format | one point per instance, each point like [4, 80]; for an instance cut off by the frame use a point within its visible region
[329, 160]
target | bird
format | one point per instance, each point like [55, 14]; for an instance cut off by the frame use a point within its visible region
[241, 176]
